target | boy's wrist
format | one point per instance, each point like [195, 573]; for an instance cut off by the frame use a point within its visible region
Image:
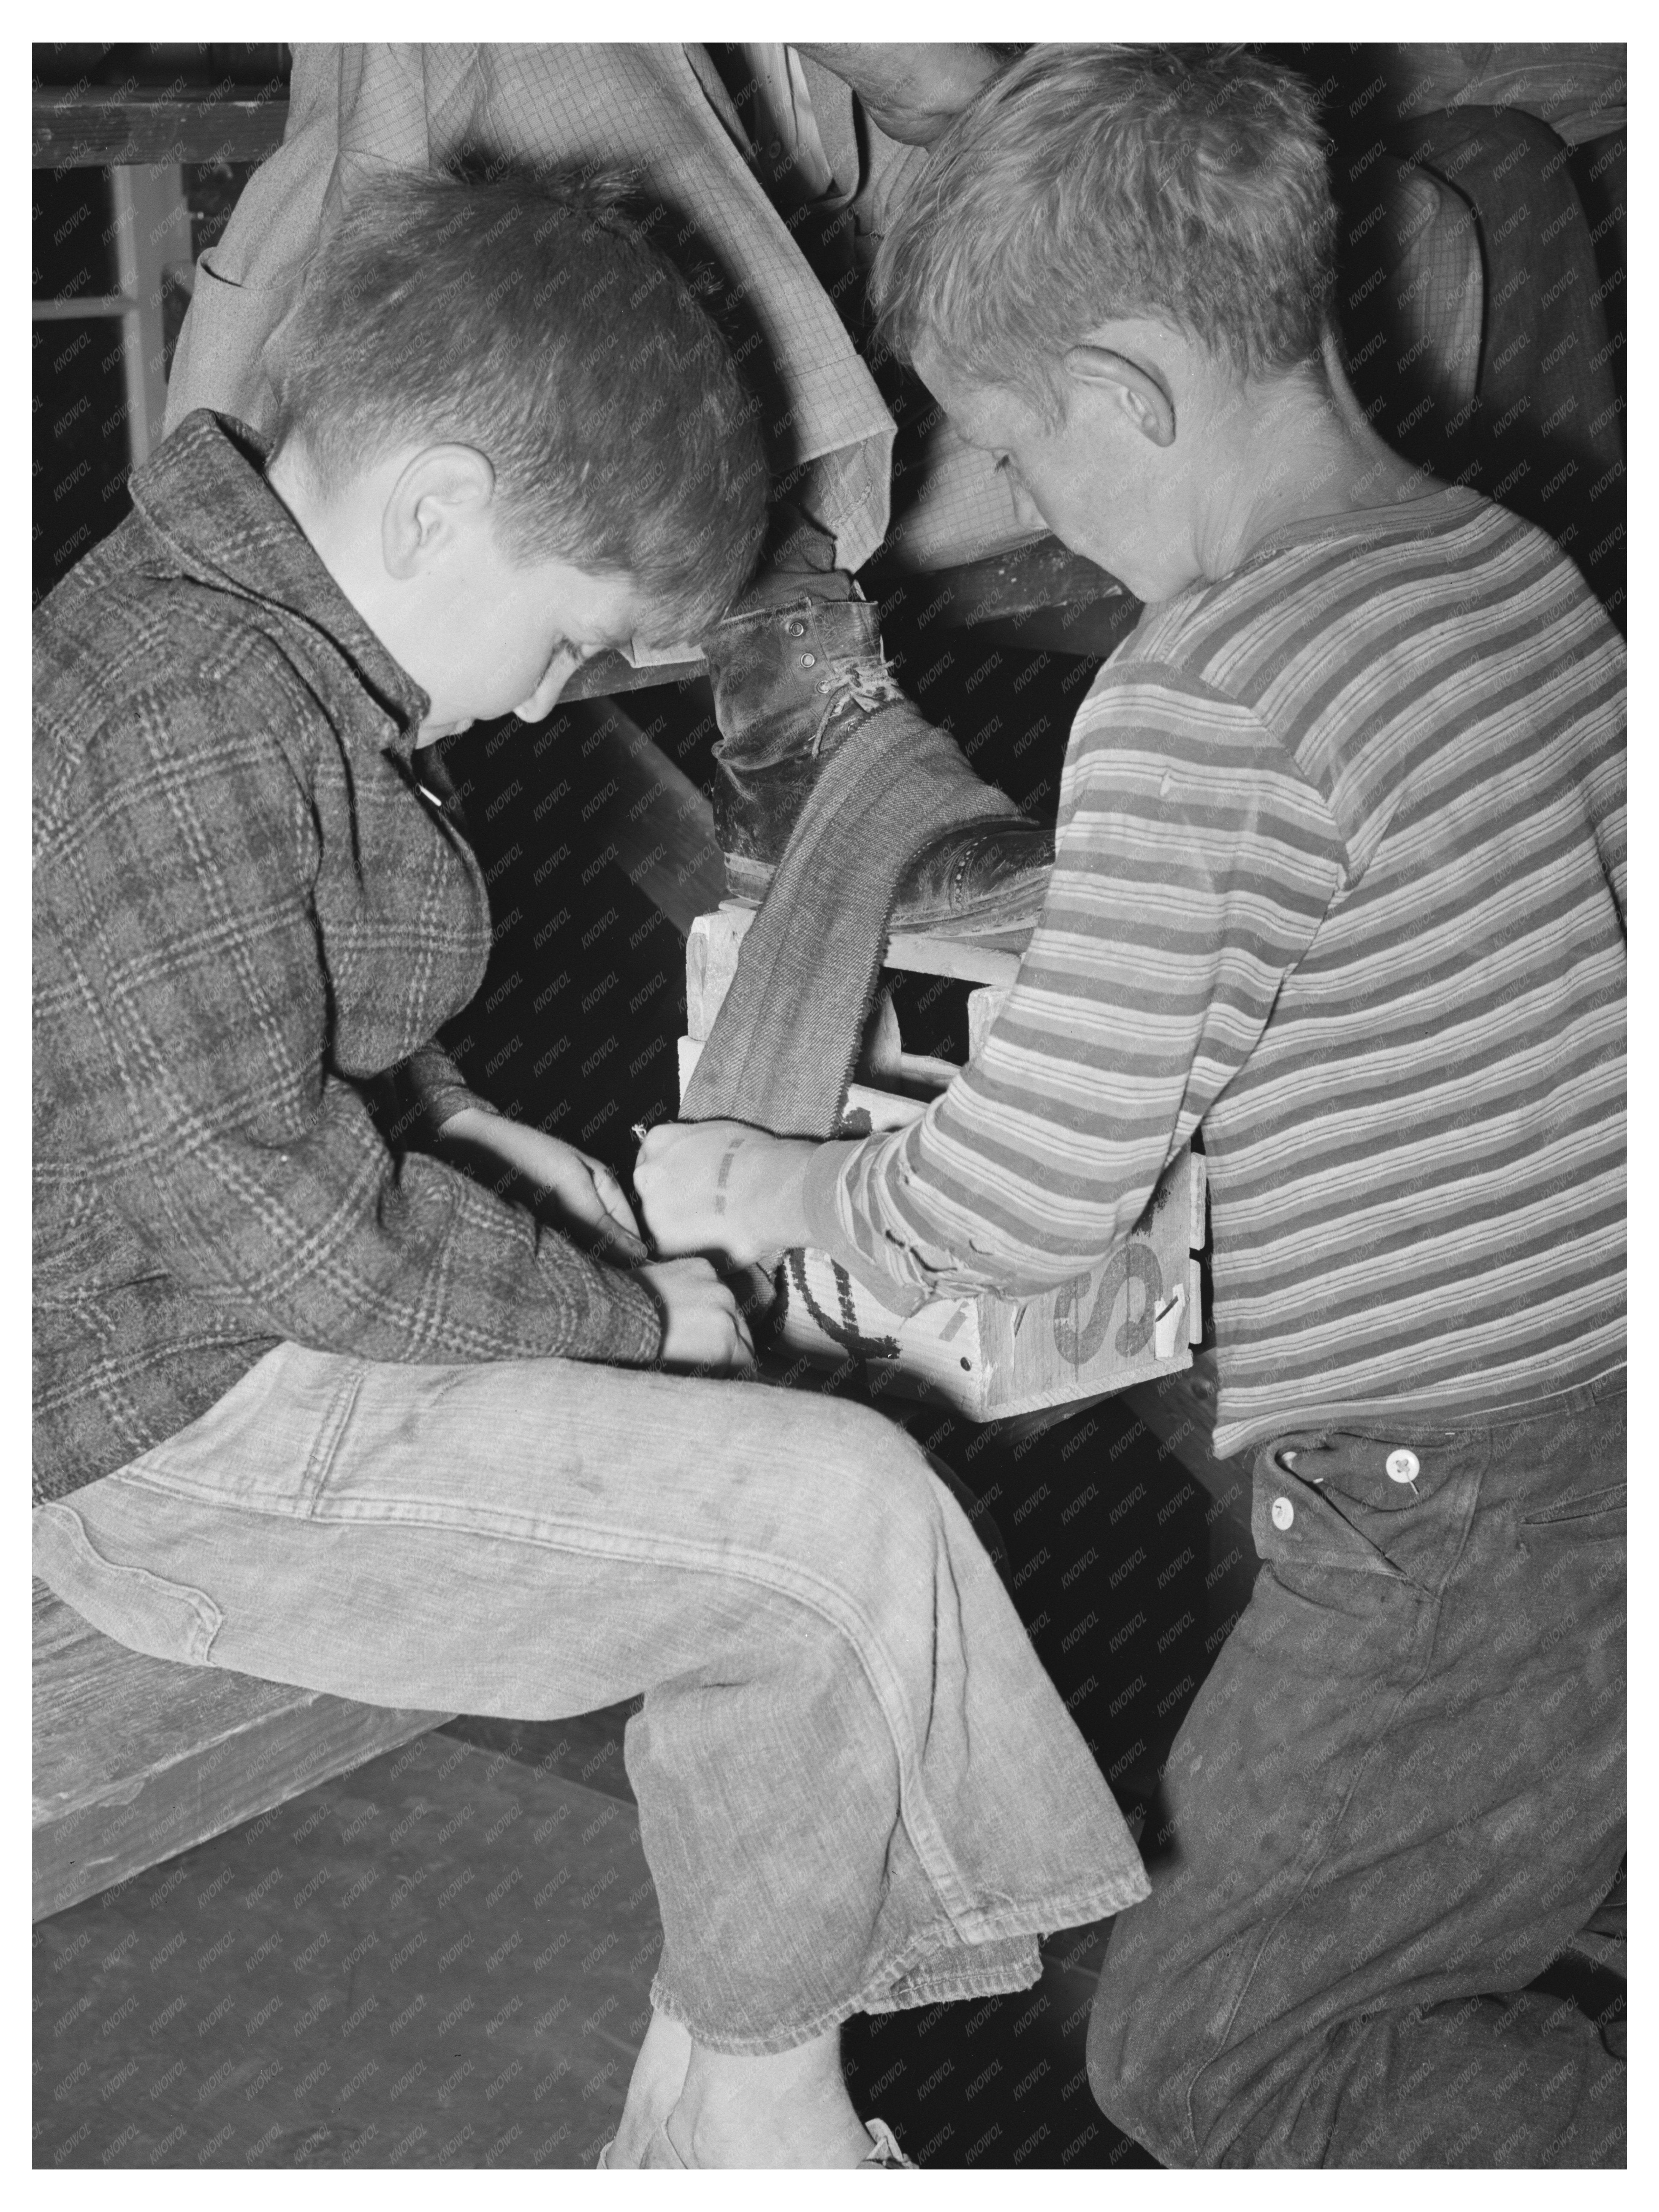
[766, 1191]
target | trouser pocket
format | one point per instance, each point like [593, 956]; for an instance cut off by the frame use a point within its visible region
[136, 1607]
[1596, 1516]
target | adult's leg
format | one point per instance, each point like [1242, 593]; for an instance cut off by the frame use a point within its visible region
[858, 1790]
[1398, 1796]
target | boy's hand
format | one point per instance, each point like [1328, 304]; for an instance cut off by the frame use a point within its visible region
[582, 1192]
[723, 1189]
[702, 1328]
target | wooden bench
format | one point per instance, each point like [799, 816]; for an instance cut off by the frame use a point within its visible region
[138, 1759]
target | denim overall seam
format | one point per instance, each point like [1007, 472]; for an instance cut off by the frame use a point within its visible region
[1430, 1606]
[282, 1501]
[204, 1610]
[331, 1429]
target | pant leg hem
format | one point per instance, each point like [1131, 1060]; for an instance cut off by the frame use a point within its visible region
[936, 1968]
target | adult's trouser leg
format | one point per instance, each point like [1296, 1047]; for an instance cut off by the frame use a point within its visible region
[858, 1790]
[1396, 1799]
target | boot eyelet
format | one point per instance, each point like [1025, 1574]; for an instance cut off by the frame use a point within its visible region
[796, 628]
[828, 684]
[809, 660]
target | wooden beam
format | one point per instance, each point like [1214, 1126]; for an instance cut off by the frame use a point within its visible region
[152, 236]
[138, 1759]
[90, 307]
[86, 128]
[1042, 573]
[1092, 629]
[608, 673]
[993, 960]
[1044, 597]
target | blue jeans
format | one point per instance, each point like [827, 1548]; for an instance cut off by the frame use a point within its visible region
[1398, 1796]
[858, 1790]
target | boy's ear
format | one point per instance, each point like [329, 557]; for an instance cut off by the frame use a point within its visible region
[1140, 391]
[440, 490]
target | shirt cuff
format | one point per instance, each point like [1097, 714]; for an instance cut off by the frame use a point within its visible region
[432, 1090]
[821, 1193]
[623, 1325]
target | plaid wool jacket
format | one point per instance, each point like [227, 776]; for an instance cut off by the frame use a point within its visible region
[245, 912]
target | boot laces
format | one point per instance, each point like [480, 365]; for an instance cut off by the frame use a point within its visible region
[865, 683]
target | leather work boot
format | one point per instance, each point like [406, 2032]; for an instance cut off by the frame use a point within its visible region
[790, 682]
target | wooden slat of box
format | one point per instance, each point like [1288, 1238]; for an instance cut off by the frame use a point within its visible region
[715, 941]
[987, 1357]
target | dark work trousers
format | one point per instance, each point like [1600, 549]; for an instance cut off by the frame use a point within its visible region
[1397, 1797]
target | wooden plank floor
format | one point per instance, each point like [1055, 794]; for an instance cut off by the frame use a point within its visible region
[441, 1959]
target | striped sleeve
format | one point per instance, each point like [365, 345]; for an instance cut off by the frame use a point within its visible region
[1342, 877]
[1605, 793]
[1195, 863]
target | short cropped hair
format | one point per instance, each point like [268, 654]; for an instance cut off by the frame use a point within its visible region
[534, 319]
[1093, 182]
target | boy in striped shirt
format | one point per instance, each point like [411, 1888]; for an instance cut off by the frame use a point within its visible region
[1339, 886]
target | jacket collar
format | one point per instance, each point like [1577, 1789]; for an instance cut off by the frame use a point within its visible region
[203, 491]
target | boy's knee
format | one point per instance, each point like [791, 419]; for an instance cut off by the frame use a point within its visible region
[863, 1449]
[1111, 2019]
[1138, 2041]
[865, 1475]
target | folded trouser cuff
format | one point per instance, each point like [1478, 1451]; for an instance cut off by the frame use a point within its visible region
[935, 1970]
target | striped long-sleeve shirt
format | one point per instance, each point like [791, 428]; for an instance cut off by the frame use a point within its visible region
[1341, 882]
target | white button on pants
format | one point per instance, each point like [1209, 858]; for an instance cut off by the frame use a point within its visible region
[1402, 1466]
[1282, 1512]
